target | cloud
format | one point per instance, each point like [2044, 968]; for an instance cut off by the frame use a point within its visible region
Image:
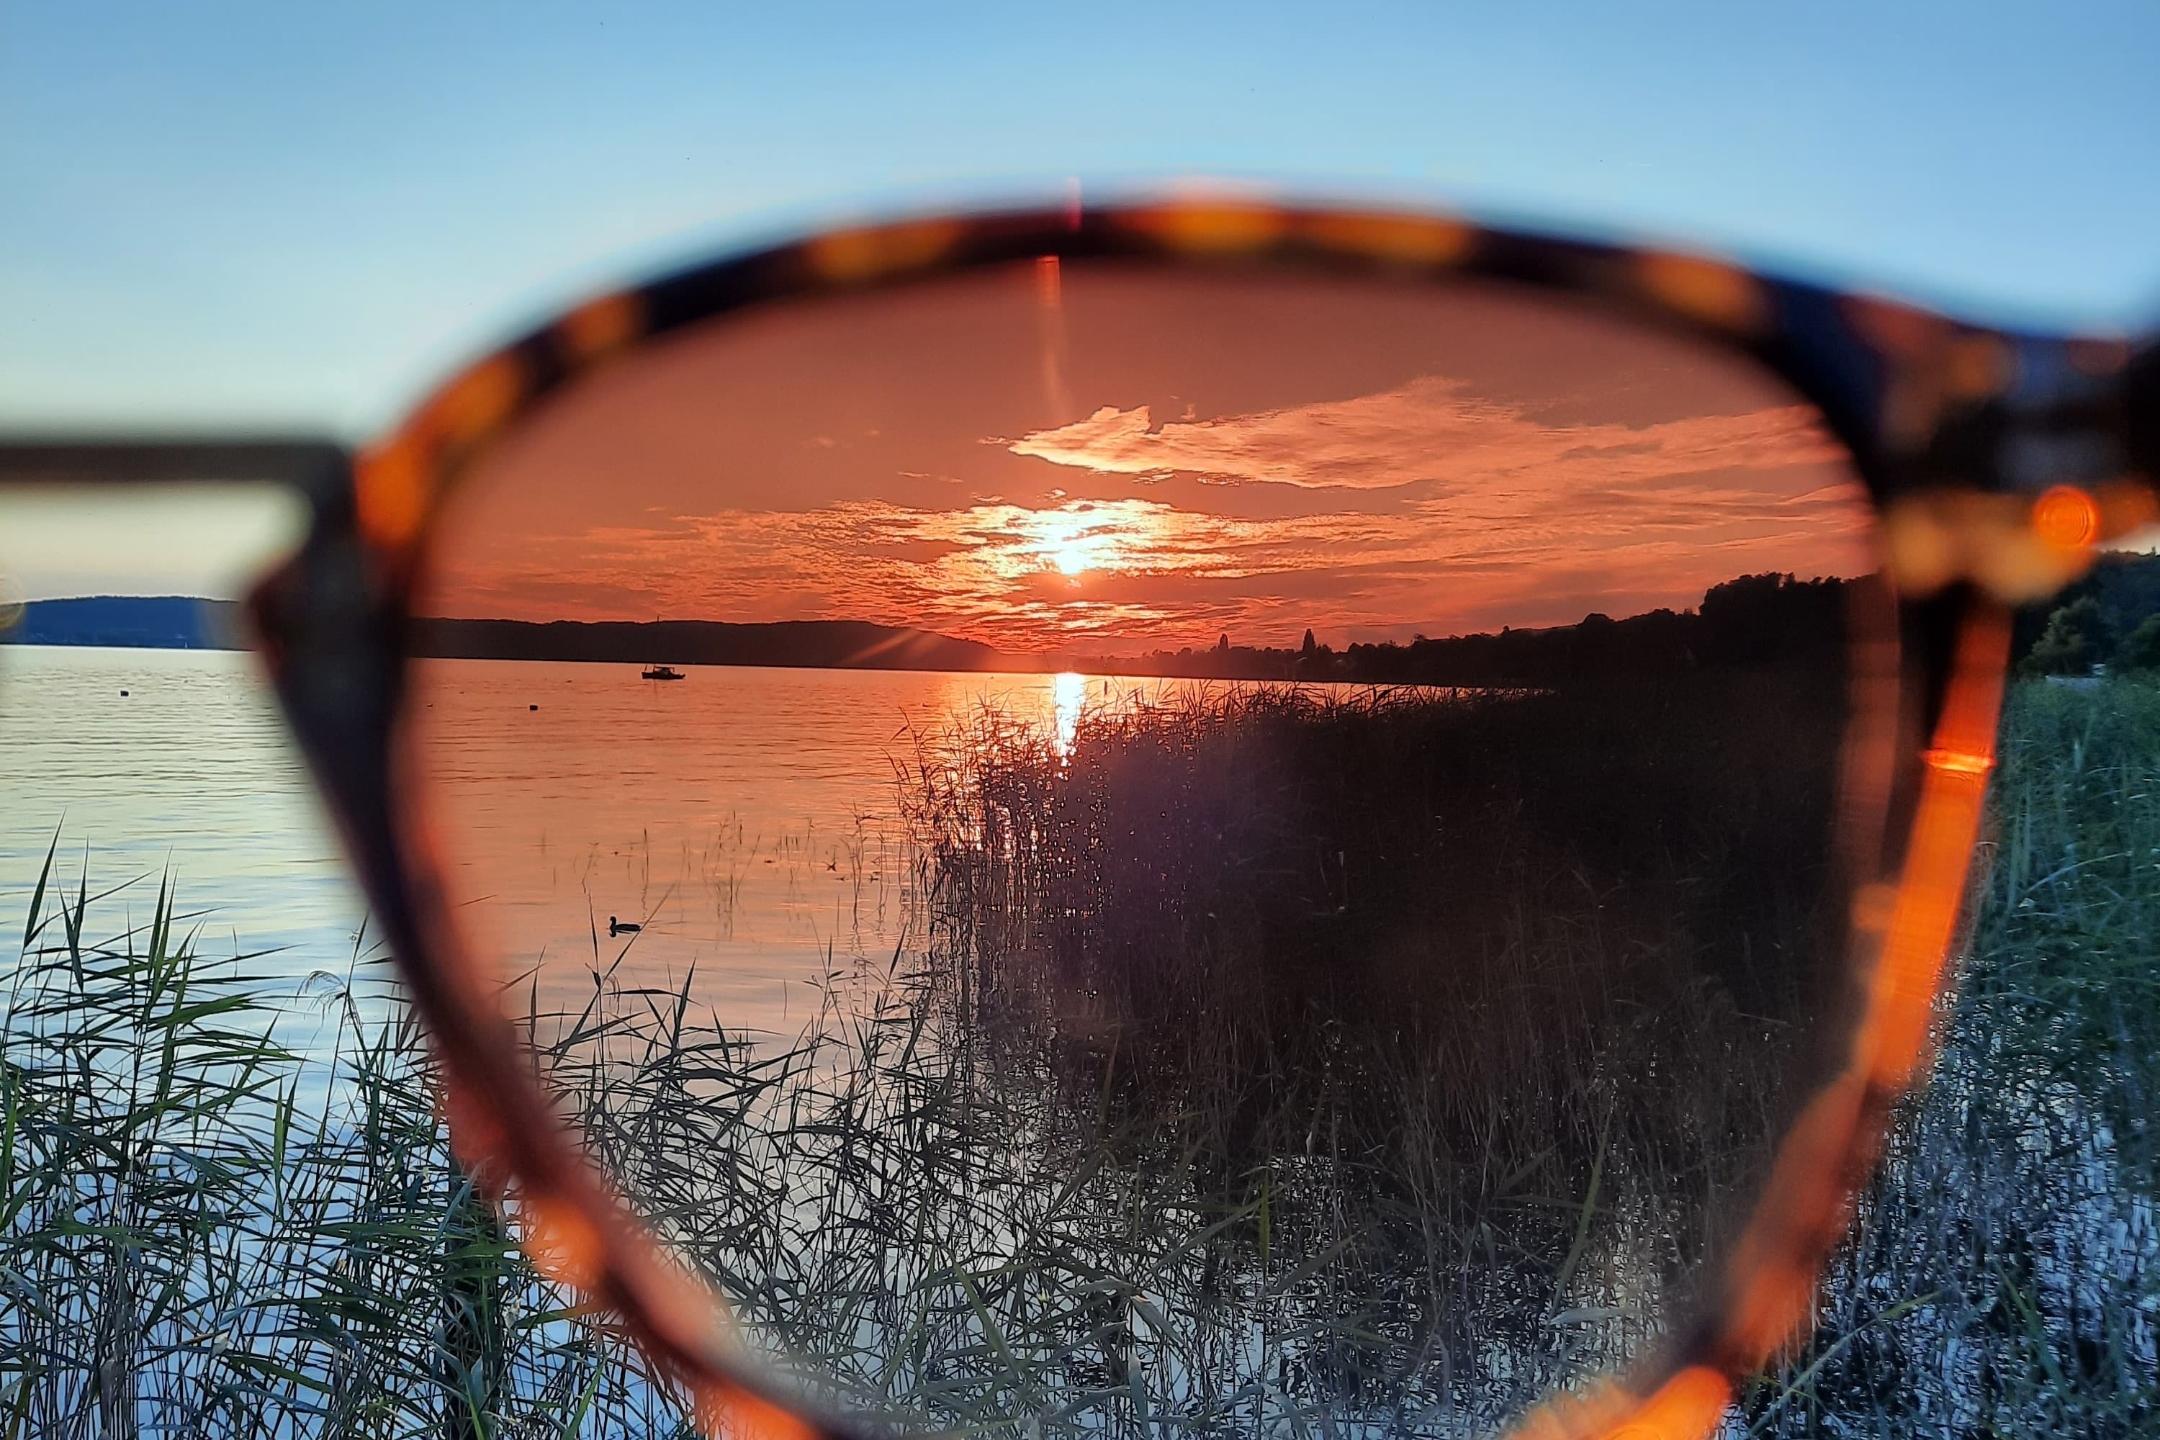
[1156, 573]
[1429, 431]
[1420, 507]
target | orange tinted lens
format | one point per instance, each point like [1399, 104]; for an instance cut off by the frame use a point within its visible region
[1098, 843]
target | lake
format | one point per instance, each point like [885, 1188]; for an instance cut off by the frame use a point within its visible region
[1304, 1028]
[149, 763]
[745, 817]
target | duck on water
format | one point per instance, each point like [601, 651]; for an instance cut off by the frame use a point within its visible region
[622, 927]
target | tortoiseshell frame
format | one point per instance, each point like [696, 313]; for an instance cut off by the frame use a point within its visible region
[1997, 463]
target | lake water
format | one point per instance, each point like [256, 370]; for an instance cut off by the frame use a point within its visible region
[745, 817]
[153, 763]
[1289, 1213]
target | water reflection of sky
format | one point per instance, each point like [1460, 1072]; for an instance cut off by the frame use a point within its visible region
[143, 770]
[745, 817]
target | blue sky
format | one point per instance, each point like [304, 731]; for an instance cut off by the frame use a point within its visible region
[302, 214]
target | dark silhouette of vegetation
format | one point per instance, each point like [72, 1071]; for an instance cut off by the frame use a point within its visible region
[1564, 935]
[2078, 637]
[2095, 621]
[813, 644]
[2140, 649]
[1749, 618]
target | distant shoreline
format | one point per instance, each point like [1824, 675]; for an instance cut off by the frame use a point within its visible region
[1015, 672]
[789, 644]
[1747, 621]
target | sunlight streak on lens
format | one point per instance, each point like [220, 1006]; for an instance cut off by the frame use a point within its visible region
[1050, 317]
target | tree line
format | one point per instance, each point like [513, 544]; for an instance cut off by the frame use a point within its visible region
[2109, 619]
[1749, 619]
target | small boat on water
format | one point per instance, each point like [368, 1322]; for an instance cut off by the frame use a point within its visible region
[663, 672]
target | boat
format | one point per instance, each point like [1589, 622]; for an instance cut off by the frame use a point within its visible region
[663, 672]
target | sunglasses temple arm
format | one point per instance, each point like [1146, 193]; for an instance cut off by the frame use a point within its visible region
[315, 465]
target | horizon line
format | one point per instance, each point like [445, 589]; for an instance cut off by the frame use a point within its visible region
[1049, 655]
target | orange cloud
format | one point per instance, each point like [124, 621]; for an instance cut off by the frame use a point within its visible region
[1156, 573]
[1431, 431]
[1251, 456]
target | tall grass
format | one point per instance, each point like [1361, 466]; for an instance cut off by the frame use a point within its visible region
[2004, 1277]
[205, 1232]
[1477, 1006]
[997, 1197]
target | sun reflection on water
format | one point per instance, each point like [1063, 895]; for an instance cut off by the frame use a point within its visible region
[1068, 692]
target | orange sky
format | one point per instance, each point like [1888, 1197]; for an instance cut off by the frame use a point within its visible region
[1109, 459]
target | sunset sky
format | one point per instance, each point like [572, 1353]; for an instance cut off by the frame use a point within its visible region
[304, 216]
[1103, 461]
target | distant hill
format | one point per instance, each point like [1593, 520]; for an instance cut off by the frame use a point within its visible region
[180, 622]
[809, 644]
[158, 622]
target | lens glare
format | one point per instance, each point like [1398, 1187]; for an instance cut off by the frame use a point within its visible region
[1105, 847]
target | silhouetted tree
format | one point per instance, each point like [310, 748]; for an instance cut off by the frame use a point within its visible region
[2077, 638]
[1759, 617]
[1754, 620]
[2140, 649]
[2124, 584]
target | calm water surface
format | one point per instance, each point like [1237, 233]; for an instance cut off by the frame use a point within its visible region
[749, 821]
[745, 817]
[186, 774]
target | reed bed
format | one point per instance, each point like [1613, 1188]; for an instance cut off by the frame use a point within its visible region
[989, 1187]
[1490, 998]
[207, 1231]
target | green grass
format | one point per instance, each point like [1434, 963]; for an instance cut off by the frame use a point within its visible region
[204, 1233]
[942, 1205]
[2004, 1278]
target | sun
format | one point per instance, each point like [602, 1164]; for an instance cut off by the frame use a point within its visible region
[1072, 541]
[1071, 546]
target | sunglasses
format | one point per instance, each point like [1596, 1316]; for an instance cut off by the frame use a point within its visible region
[1359, 792]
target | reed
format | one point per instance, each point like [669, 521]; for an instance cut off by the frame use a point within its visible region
[211, 1230]
[985, 1187]
[1475, 1007]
